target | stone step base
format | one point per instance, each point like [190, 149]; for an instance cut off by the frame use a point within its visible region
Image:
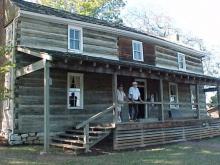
[3, 141]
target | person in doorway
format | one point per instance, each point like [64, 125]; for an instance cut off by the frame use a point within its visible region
[73, 100]
[134, 96]
[121, 97]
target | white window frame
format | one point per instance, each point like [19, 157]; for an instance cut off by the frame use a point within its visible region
[184, 61]
[81, 89]
[70, 27]
[141, 50]
[191, 92]
[172, 106]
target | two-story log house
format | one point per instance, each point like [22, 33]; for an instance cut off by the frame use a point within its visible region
[66, 75]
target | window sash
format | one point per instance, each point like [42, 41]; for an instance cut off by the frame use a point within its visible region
[137, 48]
[193, 96]
[173, 92]
[75, 39]
[181, 61]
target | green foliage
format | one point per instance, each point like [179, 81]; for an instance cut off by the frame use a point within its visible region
[5, 66]
[60, 4]
[108, 10]
[214, 101]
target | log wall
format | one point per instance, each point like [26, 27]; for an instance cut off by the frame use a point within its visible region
[167, 58]
[47, 35]
[184, 96]
[29, 98]
[126, 52]
[133, 135]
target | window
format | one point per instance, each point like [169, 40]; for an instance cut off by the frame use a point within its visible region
[193, 96]
[75, 91]
[173, 91]
[75, 40]
[137, 50]
[181, 61]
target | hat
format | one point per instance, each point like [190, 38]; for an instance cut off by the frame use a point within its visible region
[134, 83]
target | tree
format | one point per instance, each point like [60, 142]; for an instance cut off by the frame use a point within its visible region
[5, 66]
[108, 10]
[213, 101]
[157, 24]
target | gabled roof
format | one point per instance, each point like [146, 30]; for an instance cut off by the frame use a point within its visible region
[41, 9]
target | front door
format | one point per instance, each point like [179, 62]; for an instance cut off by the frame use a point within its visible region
[142, 86]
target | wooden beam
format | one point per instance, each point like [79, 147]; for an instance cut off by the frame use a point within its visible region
[30, 68]
[46, 105]
[161, 97]
[42, 55]
[211, 89]
[218, 97]
[197, 96]
[86, 137]
[114, 92]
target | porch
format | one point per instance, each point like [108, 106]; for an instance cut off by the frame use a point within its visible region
[176, 120]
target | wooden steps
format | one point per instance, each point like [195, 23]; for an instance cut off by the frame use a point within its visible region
[73, 139]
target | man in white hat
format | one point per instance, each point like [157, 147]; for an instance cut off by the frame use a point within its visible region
[134, 95]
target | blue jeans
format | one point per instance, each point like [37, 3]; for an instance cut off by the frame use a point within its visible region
[133, 111]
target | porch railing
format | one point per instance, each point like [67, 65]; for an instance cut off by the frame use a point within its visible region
[85, 125]
[181, 105]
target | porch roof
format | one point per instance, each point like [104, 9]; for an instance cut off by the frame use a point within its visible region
[72, 57]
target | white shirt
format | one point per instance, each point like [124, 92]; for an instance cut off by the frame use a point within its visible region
[134, 92]
[120, 96]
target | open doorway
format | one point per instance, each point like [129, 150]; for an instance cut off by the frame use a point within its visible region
[153, 95]
[142, 86]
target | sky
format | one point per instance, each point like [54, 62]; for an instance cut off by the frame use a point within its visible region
[199, 17]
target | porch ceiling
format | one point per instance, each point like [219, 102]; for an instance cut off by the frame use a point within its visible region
[81, 62]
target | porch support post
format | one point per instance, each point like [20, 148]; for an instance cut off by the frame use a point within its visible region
[46, 106]
[218, 98]
[161, 98]
[114, 91]
[197, 98]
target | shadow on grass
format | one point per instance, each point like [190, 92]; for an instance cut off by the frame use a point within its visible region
[188, 153]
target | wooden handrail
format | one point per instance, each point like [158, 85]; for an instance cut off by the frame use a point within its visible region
[80, 125]
[158, 103]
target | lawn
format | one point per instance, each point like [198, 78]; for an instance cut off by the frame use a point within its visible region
[204, 152]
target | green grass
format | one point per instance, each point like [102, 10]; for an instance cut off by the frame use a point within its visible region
[204, 152]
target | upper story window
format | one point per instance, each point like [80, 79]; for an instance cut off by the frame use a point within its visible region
[75, 91]
[75, 39]
[173, 92]
[181, 61]
[137, 48]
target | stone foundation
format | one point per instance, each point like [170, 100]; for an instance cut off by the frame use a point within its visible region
[26, 138]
